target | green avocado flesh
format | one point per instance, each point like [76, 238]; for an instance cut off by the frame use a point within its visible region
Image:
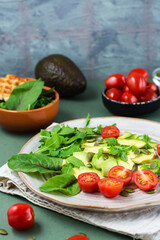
[60, 72]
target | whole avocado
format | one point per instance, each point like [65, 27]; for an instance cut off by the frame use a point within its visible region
[60, 72]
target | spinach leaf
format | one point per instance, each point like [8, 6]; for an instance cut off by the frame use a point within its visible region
[64, 183]
[23, 96]
[34, 163]
[75, 161]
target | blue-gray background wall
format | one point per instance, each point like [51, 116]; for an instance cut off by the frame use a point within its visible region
[101, 36]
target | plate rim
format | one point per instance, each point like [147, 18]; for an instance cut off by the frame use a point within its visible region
[86, 207]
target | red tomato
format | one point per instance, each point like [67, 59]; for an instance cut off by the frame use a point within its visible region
[110, 132]
[158, 149]
[120, 173]
[88, 182]
[110, 187]
[78, 237]
[125, 88]
[145, 179]
[115, 81]
[114, 94]
[20, 216]
[136, 83]
[148, 95]
[152, 86]
[141, 71]
[128, 97]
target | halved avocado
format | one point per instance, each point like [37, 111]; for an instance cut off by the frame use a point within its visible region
[60, 72]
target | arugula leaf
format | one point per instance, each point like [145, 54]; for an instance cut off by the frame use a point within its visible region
[75, 161]
[34, 163]
[66, 130]
[110, 141]
[87, 120]
[67, 151]
[146, 139]
[64, 183]
[23, 96]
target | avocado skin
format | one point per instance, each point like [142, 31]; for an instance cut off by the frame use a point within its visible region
[60, 72]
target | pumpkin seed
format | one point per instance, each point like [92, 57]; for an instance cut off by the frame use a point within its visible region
[89, 156]
[31, 238]
[136, 151]
[129, 190]
[89, 165]
[3, 231]
[124, 193]
[90, 140]
[82, 130]
[145, 151]
[153, 165]
[105, 156]
[151, 191]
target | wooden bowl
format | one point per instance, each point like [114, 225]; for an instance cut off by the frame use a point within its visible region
[30, 120]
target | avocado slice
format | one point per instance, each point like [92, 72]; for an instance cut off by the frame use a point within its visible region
[125, 135]
[144, 158]
[60, 72]
[132, 142]
[107, 165]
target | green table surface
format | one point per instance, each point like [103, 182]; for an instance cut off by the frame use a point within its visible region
[50, 225]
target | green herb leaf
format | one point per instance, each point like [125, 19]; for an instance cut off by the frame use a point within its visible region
[34, 163]
[24, 95]
[111, 141]
[65, 183]
[75, 161]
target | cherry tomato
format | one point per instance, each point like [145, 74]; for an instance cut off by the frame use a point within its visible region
[115, 81]
[158, 149]
[110, 132]
[20, 216]
[110, 187]
[125, 88]
[78, 237]
[148, 95]
[128, 97]
[141, 71]
[114, 94]
[88, 182]
[136, 83]
[121, 173]
[152, 86]
[145, 179]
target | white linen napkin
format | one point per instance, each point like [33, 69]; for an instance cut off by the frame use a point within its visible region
[140, 224]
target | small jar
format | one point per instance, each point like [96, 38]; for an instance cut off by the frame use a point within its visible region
[156, 77]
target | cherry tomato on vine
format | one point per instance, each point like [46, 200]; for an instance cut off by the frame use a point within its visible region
[78, 237]
[141, 71]
[110, 132]
[145, 179]
[110, 187]
[148, 95]
[128, 97]
[158, 149]
[116, 80]
[114, 94]
[152, 86]
[88, 181]
[136, 83]
[121, 173]
[20, 216]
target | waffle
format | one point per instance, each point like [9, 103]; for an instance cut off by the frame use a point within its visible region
[9, 82]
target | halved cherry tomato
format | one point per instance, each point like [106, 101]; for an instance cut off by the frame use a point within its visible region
[145, 179]
[78, 237]
[152, 86]
[148, 95]
[121, 173]
[116, 80]
[136, 83]
[114, 94]
[88, 181]
[110, 132]
[141, 71]
[20, 216]
[110, 187]
[158, 149]
[128, 97]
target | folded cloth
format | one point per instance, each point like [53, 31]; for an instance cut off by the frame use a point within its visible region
[140, 224]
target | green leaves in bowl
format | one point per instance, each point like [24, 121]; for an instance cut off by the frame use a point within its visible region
[27, 96]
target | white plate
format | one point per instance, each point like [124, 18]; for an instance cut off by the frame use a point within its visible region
[97, 201]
